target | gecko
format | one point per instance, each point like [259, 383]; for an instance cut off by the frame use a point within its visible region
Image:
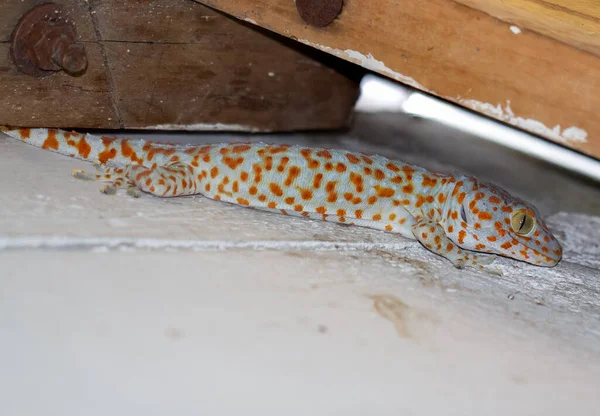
[458, 217]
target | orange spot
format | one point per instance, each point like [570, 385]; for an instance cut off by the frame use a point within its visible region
[282, 163]
[241, 148]
[352, 159]
[392, 217]
[494, 199]
[306, 153]
[272, 204]
[244, 176]
[207, 187]
[376, 217]
[367, 160]
[280, 149]
[330, 186]
[214, 172]
[427, 181]
[253, 190]
[408, 189]
[235, 187]
[328, 166]
[441, 198]
[392, 167]
[293, 173]
[457, 187]
[485, 216]
[217, 197]
[317, 180]
[358, 213]
[367, 171]
[372, 200]
[449, 247]
[356, 200]
[290, 200]
[491, 238]
[424, 235]
[332, 197]
[385, 192]
[461, 236]
[396, 179]
[306, 194]
[262, 197]
[420, 201]
[321, 210]
[437, 239]
[546, 239]
[506, 245]
[340, 167]
[314, 164]
[389, 228]
[545, 249]
[106, 155]
[275, 189]
[479, 246]
[401, 220]
[50, 142]
[461, 197]
[298, 207]
[233, 163]
[324, 154]
[450, 229]
[506, 208]
[25, 133]
[243, 201]
[341, 212]
[379, 175]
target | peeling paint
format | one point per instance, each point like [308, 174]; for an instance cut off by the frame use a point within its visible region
[205, 127]
[367, 61]
[515, 29]
[569, 135]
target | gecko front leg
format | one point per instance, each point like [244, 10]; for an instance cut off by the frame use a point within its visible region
[433, 237]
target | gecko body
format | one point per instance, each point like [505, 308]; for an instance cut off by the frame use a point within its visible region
[454, 216]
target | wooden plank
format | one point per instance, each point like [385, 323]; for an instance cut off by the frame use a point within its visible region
[186, 66]
[173, 64]
[463, 55]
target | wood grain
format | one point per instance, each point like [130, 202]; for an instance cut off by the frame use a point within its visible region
[460, 54]
[174, 64]
[576, 23]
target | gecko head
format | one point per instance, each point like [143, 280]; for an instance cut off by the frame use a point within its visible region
[490, 220]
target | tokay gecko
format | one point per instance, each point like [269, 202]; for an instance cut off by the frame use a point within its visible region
[454, 216]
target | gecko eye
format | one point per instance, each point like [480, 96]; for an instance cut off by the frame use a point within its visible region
[463, 215]
[522, 223]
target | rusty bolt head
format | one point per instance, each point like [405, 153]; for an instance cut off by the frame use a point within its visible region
[319, 13]
[45, 41]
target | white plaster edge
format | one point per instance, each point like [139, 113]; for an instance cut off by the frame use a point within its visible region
[205, 127]
[515, 29]
[569, 135]
[366, 61]
[572, 134]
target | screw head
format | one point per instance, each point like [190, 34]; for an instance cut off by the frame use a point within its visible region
[319, 13]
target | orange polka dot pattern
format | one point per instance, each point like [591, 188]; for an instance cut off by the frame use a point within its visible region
[451, 215]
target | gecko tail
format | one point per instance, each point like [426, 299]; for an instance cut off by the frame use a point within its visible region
[106, 150]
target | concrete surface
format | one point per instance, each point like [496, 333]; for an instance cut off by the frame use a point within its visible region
[187, 306]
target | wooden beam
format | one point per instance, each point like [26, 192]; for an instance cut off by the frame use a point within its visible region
[173, 64]
[535, 82]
